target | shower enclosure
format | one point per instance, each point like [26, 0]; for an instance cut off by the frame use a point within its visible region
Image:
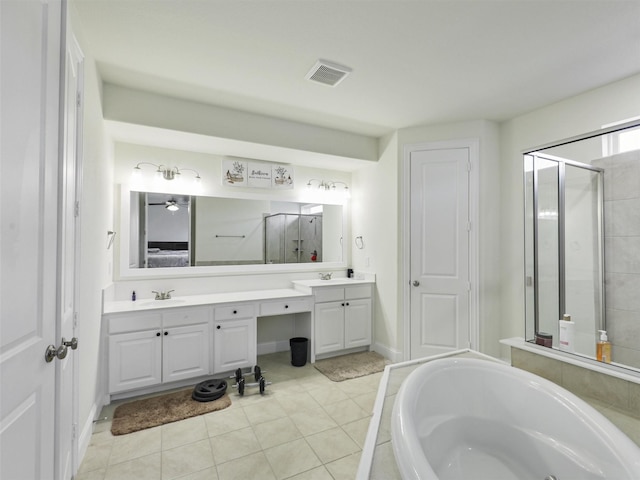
[293, 238]
[564, 251]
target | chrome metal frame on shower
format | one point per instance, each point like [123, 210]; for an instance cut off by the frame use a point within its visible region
[562, 163]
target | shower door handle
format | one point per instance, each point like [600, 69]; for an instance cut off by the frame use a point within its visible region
[416, 283]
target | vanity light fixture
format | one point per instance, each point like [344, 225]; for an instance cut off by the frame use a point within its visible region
[329, 186]
[168, 173]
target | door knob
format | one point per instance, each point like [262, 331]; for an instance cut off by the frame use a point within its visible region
[62, 351]
[73, 343]
[416, 283]
[50, 353]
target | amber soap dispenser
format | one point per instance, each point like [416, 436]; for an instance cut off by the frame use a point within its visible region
[603, 348]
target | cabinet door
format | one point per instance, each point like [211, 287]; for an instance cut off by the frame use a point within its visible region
[357, 323]
[234, 344]
[185, 352]
[329, 327]
[135, 360]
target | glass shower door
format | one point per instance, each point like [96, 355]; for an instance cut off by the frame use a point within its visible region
[563, 248]
[583, 257]
[548, 247]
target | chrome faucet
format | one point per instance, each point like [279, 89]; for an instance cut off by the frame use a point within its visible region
[163, 295]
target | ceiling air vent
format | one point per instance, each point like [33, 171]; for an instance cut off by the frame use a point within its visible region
[327, 73]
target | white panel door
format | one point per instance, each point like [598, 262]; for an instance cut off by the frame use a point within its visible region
[29, 87]
[440, 289]
[67, 387]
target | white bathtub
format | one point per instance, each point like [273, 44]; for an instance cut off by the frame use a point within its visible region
[477, 419]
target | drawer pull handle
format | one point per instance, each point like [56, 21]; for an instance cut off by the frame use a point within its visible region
[235, 311]
[286, 306]
[166, 333]
[158, 334]
[218, 327]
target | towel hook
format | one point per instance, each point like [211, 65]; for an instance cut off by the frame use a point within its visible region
[111, 235]
[359, 242]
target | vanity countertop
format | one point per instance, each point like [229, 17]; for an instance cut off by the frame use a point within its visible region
[195, 300]
[334, 282]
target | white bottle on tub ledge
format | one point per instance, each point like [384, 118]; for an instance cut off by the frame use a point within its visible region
[567, 333]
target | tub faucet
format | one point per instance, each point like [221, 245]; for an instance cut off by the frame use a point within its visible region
[163, 295]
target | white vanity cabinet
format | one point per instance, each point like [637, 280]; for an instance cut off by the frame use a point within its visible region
[342, 317]
[186, 346]
[234, 337]
[135, 360]
[147, 349]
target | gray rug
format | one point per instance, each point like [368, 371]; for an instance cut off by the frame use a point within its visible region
[171, 407]
[350, 366]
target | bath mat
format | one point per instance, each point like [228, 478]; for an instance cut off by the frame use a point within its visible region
[171, 407]
[349, 366]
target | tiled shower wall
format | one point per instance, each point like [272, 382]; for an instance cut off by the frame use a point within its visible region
[622, 254]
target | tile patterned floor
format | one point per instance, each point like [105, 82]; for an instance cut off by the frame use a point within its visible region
[304, 427]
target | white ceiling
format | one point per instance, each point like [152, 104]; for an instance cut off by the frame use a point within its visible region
[414, 62]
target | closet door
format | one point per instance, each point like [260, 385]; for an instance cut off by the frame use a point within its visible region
[440, 231]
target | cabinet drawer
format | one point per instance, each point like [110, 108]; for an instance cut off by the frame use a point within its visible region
[234, 311]
[328, 294]
[135, 323]
[185, 316]
[357, 291]
[285, 306]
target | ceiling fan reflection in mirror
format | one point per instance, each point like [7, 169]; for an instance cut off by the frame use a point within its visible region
[171, 204]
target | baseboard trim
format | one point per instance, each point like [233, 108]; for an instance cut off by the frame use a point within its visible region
[84, 440]
[393, 355]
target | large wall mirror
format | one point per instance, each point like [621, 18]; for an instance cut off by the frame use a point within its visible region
[173, 234]
[582, 242]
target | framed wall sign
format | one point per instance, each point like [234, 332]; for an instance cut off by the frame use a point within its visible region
[282, 176]
[243, 173]
[234, 173]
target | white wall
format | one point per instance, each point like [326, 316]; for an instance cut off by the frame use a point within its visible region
[278, 139]
[374, 216]
[96, 218]
[567, 118]
[209, 166]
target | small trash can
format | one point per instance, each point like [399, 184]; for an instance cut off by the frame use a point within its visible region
[299, 347]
